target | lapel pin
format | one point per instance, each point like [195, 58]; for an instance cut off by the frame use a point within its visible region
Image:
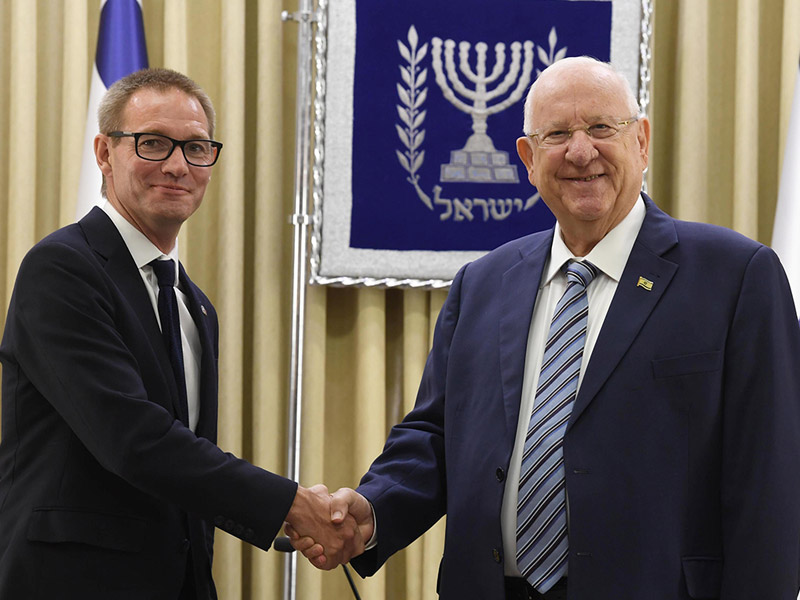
[203, 308]
[645, 283]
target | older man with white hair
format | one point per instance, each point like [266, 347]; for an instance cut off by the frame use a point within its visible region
[611, 408]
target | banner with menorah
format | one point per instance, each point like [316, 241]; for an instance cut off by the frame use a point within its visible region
[418, 107]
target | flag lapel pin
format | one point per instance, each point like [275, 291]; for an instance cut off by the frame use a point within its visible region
[645, 283]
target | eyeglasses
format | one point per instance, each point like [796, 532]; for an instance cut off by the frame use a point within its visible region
[600, 130]
[156, 147]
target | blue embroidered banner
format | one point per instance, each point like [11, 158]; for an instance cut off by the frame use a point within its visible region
[437, 111]
[423, 104]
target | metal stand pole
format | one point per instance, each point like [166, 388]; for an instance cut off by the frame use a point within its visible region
[300, 220]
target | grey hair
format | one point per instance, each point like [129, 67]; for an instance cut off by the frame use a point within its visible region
[631, 100]
[113, 104]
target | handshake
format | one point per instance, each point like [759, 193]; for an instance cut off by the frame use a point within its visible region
[329, 529]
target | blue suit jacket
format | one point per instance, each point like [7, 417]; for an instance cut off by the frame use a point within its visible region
[102, 489]
[682, 454]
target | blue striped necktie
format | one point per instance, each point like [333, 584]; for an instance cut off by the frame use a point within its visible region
[542, 545]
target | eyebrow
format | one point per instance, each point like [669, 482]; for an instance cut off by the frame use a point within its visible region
[592, 119]
[194, 136]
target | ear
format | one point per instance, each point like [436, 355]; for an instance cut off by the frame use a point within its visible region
[525, 151]
[102, 153]
[643, 136]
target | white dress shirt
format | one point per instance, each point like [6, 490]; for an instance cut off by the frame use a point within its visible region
[143, 251]
[610, 256]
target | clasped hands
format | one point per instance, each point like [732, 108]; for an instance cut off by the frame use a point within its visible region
[329, 529]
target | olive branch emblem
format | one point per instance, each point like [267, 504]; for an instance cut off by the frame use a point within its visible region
[553, 56]
[412, 96]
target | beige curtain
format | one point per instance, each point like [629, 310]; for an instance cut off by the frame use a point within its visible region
[723, 75]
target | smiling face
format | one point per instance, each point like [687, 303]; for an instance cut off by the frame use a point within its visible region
[589, 184]
[156, 197]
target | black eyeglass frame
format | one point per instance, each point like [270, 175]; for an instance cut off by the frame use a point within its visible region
[175, 143]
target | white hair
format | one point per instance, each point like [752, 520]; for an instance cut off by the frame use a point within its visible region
[633, 104]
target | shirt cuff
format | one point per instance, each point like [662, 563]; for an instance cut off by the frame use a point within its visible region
[373, 541]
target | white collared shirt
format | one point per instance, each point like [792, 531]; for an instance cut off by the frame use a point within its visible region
[143, 251]
[610, 256]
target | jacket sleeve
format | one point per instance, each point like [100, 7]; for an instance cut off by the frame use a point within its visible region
[407, 483]
[761, 439]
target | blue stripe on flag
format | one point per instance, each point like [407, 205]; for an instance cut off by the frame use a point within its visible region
[121, 47]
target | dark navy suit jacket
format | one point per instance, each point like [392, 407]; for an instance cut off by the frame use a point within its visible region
[682, 454]
[102, 489]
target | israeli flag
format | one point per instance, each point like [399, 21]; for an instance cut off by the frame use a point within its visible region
[785, 238]
[121, 50]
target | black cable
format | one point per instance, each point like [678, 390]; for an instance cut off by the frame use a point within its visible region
[282, 544]
[351, 582]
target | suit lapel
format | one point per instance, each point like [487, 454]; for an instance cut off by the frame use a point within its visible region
[105, 240]
[519, 289]
[203, 317]
[632, 304]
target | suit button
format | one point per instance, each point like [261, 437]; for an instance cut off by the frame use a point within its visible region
[500, 474]
[496, 555]
[219, 521]
[237, 531]
[249, 534]
[229, 525]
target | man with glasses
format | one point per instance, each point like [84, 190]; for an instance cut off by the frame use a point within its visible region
[611, 409]
[111, 483]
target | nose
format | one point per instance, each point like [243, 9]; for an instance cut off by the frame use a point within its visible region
[580, 148]
[175, 164]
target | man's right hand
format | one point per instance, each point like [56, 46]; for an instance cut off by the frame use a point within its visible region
[326, 542]
[348, 510]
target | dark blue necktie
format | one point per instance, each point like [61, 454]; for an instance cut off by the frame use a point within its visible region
[171, 327]
[542, 546]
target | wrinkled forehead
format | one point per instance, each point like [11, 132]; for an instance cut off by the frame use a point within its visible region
[578, 95]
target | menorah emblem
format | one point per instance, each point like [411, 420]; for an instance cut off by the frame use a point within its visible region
[479, 161]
